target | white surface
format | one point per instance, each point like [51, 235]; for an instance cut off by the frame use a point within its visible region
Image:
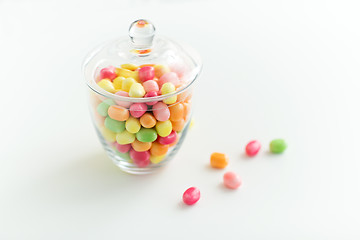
[272, 69]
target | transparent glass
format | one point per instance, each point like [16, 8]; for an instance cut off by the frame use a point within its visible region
[141, 134]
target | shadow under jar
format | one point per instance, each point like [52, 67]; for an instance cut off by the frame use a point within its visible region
[140, 92]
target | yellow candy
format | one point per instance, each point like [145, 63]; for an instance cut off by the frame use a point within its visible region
[132, 125]
[127, 83]
[161, 70]
[122, 72]
[117, 82]
[109, 135]
[107, 85]
[166, 89]
[125, 137]
[156, 159]
[163, 128]
[192, 123]
[136, 90]
[128, 66]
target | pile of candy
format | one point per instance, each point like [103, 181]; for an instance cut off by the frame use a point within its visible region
[230, 179]
[142, 132]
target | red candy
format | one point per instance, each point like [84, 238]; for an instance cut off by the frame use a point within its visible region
[138, 109]
[108, 72]
[123, 148]
[252, 148]
[191, 196]
[146, 73]
[141, 159]
[151, 94]
[171, 138]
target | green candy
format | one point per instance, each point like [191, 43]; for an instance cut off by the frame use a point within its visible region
[103, 107]
[125, 156]
[114, 125]
[278, 145]
[146, 135]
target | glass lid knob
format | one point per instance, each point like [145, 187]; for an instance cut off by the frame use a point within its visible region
[142, 33]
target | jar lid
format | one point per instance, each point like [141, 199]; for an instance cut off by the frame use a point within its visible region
[143, 47]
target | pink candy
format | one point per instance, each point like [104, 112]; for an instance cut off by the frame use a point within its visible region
[232, 180]
[151, 86]
[123, 103]
[141, 159]
[252, 148]
[151, 94]
[123, 148]
[169, 77]
[161, 111]
[146, 73]
[138, 109]
[191, 196]
[168, 139]
[108, 72]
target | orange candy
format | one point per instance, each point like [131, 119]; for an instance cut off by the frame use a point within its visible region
[219, 160]
[118, 113]
[178, 125]
[141, 146]
[176, 112]
[146, 65]
[158, 149]
[187, 109]
[147, 120]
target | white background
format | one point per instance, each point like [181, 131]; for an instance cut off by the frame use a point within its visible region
[272, 69]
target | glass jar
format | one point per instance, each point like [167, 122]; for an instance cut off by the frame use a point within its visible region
[140, 92]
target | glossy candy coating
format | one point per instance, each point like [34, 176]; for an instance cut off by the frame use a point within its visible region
[176, 112]
[147, 120]
[141, 146]
[191, 196]
[278, 146]
[124, 104]
[157, 159]
[163, 128]
[127, 83]
[219, 160]
[151, 86]
[138, 109]
[132, 125]
[146, 73]
[103, 107]
[125, 137]
[114, 125]
[252, 148]
[137, 90]
[107, 85]
[151, 94]
[123, 148]
[169, 77]
[161, 111]
[232, 180]
[158, 149]
[108, 73]
[140, 159]
[146, 135]
[171, 138]
[118, 113]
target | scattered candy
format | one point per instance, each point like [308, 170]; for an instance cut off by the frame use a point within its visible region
[252, 148]
[232, 180]
[191, 196]
[278, 146]
[219, 160]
